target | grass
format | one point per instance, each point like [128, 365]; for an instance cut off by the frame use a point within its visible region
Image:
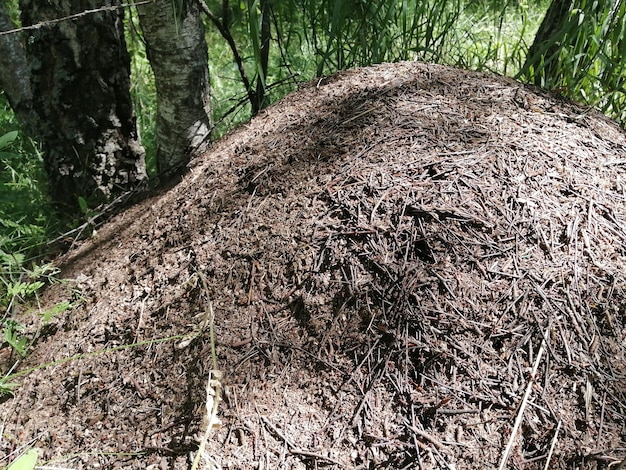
[479, 35]
[26, 224]
[143, 91]
[495, 37]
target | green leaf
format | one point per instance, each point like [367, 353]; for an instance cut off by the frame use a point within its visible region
[11, 261]
[15, 340]
[83, 205]
[7, 139]
[47, 315]
[24, 289]
[6, 387]
[26, 462]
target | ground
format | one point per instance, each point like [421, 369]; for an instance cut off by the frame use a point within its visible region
[403, 266]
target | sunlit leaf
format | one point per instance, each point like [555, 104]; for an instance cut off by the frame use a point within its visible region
[26, 462]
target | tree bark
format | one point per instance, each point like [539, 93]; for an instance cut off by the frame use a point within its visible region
[177, 51]
[15, 73]
[261, 82]
[544, 52]
[80, 79]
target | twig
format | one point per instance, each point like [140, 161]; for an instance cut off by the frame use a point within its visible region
[601, 417]
[522, 407]
[429, 437]
[374, 378]
[556, 434]
[214, 385]
[222, 27]
[140, 321]
[73, 17]
[23, 447]
[213, 398]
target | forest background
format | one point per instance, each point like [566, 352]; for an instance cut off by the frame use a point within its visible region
[259, 50]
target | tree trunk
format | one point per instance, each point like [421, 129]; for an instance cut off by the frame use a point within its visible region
[543, 54]
[261, 81]
[177, 50]
[81, 93]
[15, 73]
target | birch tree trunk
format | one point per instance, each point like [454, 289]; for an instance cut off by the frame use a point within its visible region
[80, 80]
[177, 50]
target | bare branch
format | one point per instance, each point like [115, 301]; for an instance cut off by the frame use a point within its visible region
[222, 27]
[72, 17]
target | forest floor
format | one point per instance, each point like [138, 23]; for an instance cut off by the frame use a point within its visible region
[405, 266]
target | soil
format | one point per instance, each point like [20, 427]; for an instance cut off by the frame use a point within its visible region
[404, 266]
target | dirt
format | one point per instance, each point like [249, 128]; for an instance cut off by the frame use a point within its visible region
[404, 266]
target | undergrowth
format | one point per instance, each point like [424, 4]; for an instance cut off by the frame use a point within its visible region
[26, 224]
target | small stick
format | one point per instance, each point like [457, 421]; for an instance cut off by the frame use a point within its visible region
[140, 321]
[522, 407]
[556, 434]
[430, 438]
[601, 417]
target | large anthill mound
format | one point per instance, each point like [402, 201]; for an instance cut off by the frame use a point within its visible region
[410, 266]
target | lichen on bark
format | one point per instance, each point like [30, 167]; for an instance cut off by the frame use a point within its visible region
[81, 93]
[177, 50]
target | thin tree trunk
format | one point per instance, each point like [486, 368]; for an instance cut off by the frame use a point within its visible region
[81, 92]
[261, 83]
[177, 50]
[543, 54]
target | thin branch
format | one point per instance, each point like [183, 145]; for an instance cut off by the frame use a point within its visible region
[556, 435]
[222, 27]
[73, 17]
[522, 407]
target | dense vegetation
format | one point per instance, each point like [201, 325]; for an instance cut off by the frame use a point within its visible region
[295, 41]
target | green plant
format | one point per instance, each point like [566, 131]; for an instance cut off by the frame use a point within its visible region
[579, 51]
[143, 90]
[14, 338]
[26, 461]
[20, 285]
[312, 38]
[24, 223]
[25, 213]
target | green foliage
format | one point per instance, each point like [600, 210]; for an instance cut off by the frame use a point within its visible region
[583, 56]
[26, 222]
[6, 386]
[13, 10]
[7, 139]
[18, 285]
[26, 461]
[142, 90]
[254, 26]
[25, 213]
[47, 315]
[311, 38]
[12, 336]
